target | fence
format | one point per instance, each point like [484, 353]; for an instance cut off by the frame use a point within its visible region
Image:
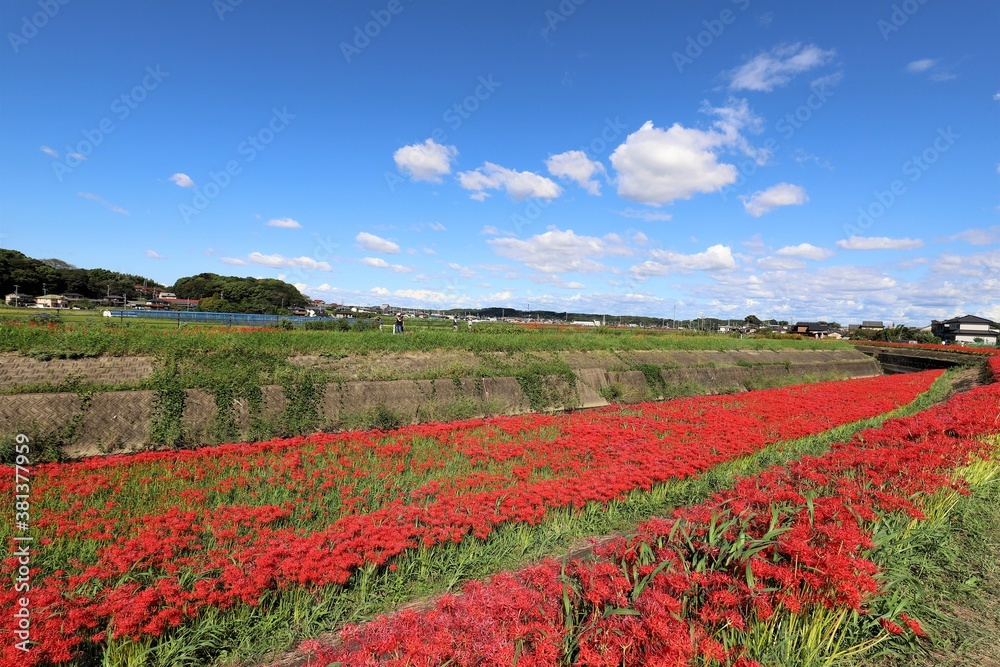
[239, 319]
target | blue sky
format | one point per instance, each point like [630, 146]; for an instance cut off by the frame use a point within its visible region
[793, 160]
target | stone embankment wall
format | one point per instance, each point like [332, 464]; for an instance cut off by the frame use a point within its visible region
[96, 422]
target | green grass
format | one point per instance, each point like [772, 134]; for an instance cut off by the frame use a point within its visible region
[947, 572]
[94, 336]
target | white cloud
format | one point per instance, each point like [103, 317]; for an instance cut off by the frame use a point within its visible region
[656, 166]
[977, 236]
[769, 70]
[780, 263]
[102, 201]
[51, 152]
[463, 271]
[379, 263]
[436, 226]
[782, 194]
[648, 216]
[182, 180]
[152, 254]
[576, 166]
[284, 223]
[879, 243]
[421, 295]
[380, 291]
[933, 68]
[715, 258]
[983, 264]
[921, 65]
[519, 185]
[428, 161]
[558, 251]
[805, 251]
[234, 261]
[374, 243]
[280, 262]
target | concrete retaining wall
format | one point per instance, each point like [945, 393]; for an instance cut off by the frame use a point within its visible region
[121, 420]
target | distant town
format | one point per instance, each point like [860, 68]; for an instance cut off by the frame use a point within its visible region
[968, 329]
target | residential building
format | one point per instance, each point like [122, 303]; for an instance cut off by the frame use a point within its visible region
[51, 301]
[19, 299]
[874, 325]
[967, 329]
[812, 329]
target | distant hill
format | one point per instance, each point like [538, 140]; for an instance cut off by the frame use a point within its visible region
[230, 294]
[219, 293]
[54, 276]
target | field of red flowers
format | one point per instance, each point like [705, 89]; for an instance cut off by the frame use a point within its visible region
[717, 582]
[138, 546]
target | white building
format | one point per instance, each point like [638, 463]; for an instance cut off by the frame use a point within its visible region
[967, 329]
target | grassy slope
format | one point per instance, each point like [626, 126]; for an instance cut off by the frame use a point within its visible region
[208, 357]
[950, 575]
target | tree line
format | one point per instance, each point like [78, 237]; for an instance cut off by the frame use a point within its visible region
[229, 294]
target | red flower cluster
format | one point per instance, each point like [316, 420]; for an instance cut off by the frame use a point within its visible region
[931, 346]
[137, 545]
[691, 586]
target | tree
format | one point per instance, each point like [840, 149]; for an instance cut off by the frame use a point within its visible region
[239, 295]
[752, 320]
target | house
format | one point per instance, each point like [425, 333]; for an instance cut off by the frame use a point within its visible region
[874, 325]
[51, 301]
[967, 329]
[812, 329]
[19, 299]
[173, 301]
[71, 297]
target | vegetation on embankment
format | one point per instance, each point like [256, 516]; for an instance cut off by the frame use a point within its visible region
[110, 337]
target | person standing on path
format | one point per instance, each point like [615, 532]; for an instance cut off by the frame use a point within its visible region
[454, 323]
[398, 328]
